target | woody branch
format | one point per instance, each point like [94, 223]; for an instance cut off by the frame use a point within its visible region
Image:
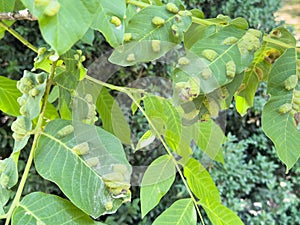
[19, 15]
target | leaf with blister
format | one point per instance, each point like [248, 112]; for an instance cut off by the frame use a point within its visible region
[108, 9]
[200, 181]
[261, 66]
[280, 127]
[76, 22]
[240, 54]
[80, 181]
[41, 209]
[156, 182]
[143, 32]
[182, 212]
[8, 179]
[22, 138]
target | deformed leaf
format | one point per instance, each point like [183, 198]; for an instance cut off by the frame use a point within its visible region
[109, 21]
[277, 123]
[39, 208]
[76, 20]
[156, 182]
[162, 25]
[182, 212]
[80, 181]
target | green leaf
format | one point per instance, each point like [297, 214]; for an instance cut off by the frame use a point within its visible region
[280, 127]
[89, 37]
[200, 181]
[76, 17]
[113, 33]
[155, 110]
[209, 137]
[173, 125]
[219, 57]
[41, 208]
[8, 96]
[51, 112]
[219, 214]
[112, 116]
[156, 182]
[260, 68]
[147, 138]
[150, 41]
[184, 149]
[6, 6]
[182, 212]
[79, 175]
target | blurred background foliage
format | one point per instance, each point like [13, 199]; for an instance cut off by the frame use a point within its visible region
[252, 182]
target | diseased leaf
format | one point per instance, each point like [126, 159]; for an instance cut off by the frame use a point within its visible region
[103, 21]
[40, 208]
[260, 68]
[153, 38]
[216, 60]
[280, 126]
[182, 212]
[156, 182]
[76, 16]
[80, 177]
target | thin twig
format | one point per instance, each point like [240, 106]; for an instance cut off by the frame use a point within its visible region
[19, 15]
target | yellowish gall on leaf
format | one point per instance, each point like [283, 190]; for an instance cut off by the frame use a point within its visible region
[116, 21]
[127, 37]
[210, 54]
[183, 61]
[155, 44]
[230, 69]
[291, 82]
[285, 108]
[130, 57]
[158, 21]
[171, 7]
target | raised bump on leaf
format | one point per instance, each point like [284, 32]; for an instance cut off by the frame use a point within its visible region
[155, 44]
[81, 149]
[121, 168]
[285, 108]
[206, 73]
[130, 57]
[42, 2]
[52, 9]
[171, 7]
[175, 30]
[127, 37]
[184, 13]
[230, 41]
[183, 61]
[210, 54]
[291, 82]
[108, 205]
[93, 161]
[230, 69]
[275, 33]
[158, 21]
[271, 55]
[65, 131]
[116, 21]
